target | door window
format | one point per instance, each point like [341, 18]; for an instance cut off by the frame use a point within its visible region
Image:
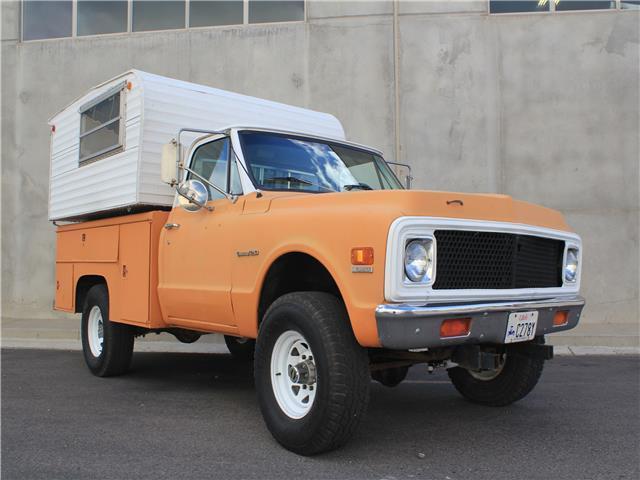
[211, 161]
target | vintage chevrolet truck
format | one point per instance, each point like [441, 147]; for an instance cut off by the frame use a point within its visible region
[306, 251]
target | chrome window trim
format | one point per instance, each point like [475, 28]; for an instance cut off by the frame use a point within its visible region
[395, 289]
[103, 96]
[348, 143]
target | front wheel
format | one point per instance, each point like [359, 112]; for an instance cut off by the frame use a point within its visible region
[312, 377]
[107, 346]
[514, 378]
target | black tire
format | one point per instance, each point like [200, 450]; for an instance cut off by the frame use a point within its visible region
[117, 345]
[390, 377]
[341, 364]
[241, 348]
[518, 376]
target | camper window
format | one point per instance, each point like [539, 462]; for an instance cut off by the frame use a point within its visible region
[100, 129]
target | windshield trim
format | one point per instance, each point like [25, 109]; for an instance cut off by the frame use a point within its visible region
[308, 136]
[301, 136]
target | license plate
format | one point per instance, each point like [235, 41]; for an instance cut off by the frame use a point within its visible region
[521, 327]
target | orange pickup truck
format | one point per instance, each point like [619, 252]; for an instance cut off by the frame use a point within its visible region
[314, 260]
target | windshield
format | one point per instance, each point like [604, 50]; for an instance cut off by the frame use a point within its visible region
[287, 162]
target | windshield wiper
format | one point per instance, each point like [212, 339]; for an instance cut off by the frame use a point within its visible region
[356, 186]
[297, 180]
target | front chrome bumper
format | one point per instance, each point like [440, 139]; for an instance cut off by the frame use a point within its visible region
[402, 326]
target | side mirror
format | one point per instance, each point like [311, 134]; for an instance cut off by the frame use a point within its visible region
[193, 195]
[169, 162]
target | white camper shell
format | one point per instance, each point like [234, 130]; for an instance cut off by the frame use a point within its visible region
[106, 146]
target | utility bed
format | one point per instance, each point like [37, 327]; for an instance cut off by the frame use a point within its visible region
[124, 250]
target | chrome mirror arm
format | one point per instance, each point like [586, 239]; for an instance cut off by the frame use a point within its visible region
[409, 177]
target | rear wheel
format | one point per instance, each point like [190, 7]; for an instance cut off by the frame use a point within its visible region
[186, 336]
[390, 377]
[312, 378]
[241, 348]
[514, 378]
[107, 346]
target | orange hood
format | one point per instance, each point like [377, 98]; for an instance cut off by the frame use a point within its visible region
[397, 203]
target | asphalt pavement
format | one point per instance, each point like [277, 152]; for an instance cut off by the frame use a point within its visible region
[180, 415]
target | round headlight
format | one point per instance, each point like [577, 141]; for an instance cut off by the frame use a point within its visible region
[418, 260]
[571, 265]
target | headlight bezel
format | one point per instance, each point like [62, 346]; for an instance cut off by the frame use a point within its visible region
[428, 244]
[397, 290]
[571, 250]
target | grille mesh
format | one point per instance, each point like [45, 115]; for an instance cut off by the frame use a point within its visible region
[493, 260]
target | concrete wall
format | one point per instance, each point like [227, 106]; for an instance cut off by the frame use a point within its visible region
[542, 107]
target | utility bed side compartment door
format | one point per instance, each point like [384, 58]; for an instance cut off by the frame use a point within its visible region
[134, 264]
[64, 287]
[92, 244]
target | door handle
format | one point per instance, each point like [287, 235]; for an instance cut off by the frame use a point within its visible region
[171, 226]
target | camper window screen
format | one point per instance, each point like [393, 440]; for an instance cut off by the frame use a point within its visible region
[100, 129]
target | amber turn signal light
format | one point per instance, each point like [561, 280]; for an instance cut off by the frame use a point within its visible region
[455, 327]
[560, 318]
[362, 256]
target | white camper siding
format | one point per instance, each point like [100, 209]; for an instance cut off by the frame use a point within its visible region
[170, 105]
[155, 109]
[64, 143]
[105, 184]
[95, 188]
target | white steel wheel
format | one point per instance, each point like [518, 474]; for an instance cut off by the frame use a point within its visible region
[95, 331]
[305, 342]
[293, 374]
[106, 346]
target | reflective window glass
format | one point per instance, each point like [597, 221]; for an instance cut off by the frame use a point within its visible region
[95, 17]
[630, 4]
[263, 11]
[206, 13]
[282, 162]
[210, 161]
[516, 6]
[158, 15]
[564, 5]
[46, 19]
[100, 129]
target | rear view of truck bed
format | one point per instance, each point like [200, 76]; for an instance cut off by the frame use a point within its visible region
[123, 251]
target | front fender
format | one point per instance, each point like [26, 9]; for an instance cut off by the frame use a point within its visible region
[361, 292]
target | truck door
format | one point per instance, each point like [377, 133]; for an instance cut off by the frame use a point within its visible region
[196, 248]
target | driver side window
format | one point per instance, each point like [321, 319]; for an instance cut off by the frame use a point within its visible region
[211, 161]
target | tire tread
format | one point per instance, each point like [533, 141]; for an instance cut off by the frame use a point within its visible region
[518, 378]
[118, 337]
[348, 362]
